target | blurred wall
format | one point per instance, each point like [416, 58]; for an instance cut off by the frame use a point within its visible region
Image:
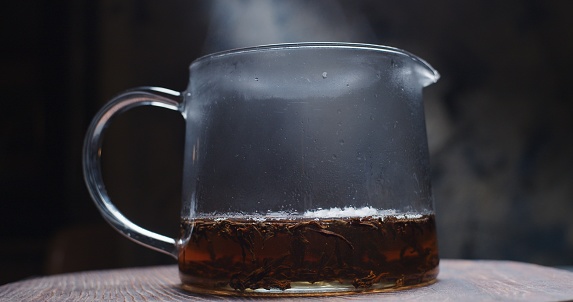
[499, 120]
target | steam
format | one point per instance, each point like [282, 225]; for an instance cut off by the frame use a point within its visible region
[235, 24]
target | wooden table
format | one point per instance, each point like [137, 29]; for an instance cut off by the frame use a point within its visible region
[459, 280]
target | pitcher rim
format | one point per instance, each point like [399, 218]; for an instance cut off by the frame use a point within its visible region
[330, 45]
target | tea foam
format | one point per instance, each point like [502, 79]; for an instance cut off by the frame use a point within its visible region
[334, 212]
[356, 212]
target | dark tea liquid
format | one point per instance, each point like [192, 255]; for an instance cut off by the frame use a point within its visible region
[296, 255]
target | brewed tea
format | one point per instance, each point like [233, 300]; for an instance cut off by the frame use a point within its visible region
[342, 254]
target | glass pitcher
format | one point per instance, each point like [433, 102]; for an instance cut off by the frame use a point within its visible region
[306, 171]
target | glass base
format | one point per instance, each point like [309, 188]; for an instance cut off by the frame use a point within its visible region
[306, 289]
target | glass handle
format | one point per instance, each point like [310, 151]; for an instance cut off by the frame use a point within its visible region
[143, 96]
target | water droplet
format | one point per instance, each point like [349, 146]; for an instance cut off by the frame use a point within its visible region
[334, 156]
[371, 117]
[347, 84]
[341, 142]
[324, 75]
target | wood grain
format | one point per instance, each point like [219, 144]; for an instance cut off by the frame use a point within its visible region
[459, 280]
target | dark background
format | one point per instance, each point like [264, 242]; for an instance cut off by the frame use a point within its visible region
[499, 120]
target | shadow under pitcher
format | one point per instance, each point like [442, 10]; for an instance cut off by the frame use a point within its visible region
[306, 171]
